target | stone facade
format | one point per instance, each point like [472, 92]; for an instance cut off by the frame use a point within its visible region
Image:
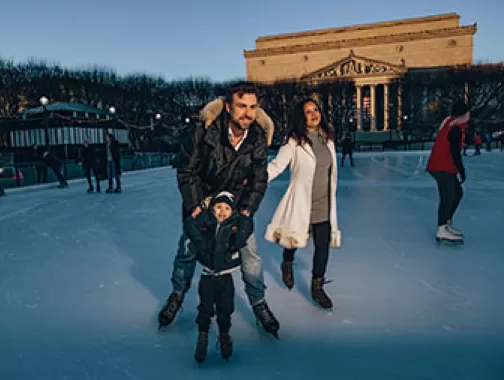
[370, 55]
[422, 42]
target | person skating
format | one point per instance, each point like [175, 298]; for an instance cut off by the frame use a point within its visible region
[309, 204]
[89, 165]
[445, 163]
[347, 149]
[55, 164]
[229, 152]
[113, 158]
[217, 234]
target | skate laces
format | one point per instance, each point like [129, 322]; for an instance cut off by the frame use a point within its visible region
[264, 313]
[174, 304]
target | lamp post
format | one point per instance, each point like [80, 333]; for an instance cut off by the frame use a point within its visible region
[44, 101]
[405, 134]
[112, 111]
[157, 117]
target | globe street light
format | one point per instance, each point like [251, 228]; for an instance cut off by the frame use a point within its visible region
[112, 111]
[158, 116]
[44, 101]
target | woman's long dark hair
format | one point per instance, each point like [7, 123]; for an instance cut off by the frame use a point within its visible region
[298, 130]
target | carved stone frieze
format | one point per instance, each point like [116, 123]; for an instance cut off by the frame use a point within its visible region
[354, 67]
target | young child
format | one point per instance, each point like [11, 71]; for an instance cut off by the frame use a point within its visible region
[217, 234]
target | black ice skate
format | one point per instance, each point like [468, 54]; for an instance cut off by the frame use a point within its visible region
[225, 344]
[319, 295]
[201, 347]
[288, 274]
[266, 318]
[169, 311]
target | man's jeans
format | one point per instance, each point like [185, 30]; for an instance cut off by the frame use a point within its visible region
[251, 269]
[111, 174]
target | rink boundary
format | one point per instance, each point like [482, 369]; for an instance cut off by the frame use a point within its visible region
[79, 180]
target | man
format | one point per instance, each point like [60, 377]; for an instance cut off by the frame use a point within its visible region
[230, 154]
[89, 165]
[347, 149]
[113, 156]
[53, 162]
[445, 163]
[40, 165]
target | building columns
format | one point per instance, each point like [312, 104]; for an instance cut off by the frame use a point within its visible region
[372, 104]
[386, 125]
[330, 109]
[359, 107]
[399, 106]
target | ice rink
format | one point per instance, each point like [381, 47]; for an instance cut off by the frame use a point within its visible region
[82, 277]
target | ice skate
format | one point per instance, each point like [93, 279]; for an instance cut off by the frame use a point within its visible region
[170, 309]
[225, 344]
[201, 347]
[266, 318]
[319, 295]
[444, 234]
[287, 274]
[453, 230]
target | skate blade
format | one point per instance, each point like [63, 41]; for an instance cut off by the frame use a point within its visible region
[450, 241]
[319, 306]
[274, 333]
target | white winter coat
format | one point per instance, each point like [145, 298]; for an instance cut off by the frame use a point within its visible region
[291, 222]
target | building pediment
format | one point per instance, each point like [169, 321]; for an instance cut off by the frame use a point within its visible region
[355, 67]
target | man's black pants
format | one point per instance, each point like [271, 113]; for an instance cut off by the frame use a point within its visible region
[88, 171]
[216, 295]
[350, 154]
[450, 194]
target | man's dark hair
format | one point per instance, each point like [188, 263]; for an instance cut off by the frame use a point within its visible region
[459, 108]
[240, 89]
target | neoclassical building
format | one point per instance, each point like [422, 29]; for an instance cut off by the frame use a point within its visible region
[369, 55]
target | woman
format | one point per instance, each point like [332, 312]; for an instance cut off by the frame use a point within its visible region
[309, 205]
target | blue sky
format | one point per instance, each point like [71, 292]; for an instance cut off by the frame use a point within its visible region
[177, 39]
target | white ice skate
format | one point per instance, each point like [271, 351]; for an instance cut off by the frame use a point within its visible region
[453, 230]
[444, 234]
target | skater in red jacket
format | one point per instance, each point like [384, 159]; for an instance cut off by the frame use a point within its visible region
[445, 163]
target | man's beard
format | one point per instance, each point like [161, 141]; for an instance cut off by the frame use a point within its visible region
[240, 127]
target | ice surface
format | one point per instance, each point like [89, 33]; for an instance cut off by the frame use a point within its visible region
[82, 277]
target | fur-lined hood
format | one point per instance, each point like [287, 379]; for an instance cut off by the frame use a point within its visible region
[213, 109]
